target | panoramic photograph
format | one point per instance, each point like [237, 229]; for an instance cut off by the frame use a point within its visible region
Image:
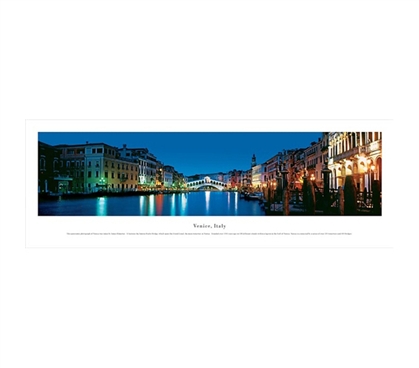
[209, 173]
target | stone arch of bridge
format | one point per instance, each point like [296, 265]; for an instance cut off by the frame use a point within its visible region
[207, 183]
[219, 187]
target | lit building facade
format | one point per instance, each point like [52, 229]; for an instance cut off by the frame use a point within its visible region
[271, 167]
[98, 166]
[298, 171]
[246, 179]
[270, 176]
[147, 165]
[292, 162]
[168, 173]
[159, 179]
[316, 158]
[234, 179]
[257, 176]
[358, 154]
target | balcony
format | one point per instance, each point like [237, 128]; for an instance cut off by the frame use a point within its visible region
[372, 147]
[63, 177]
[347, 154]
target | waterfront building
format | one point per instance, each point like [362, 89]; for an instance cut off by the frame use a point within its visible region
[230, 179]
[48, 168]
[256, 174]
[358, 154]
[192, 178]
[97, 166]
[159, 178]
[257, 177]
[168, 172]
[292, 163]
[178, 180]
[238, 177]
[270, 175]
[72, 176]
[246, 179]
[315, 157]
[271, 167]
[222, 177]
[234, 179]
[298, 169]
[147, 165]
[287, 160]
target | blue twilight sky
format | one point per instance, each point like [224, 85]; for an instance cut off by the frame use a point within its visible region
[195, 153]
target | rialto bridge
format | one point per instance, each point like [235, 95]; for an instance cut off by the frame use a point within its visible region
[206, 182]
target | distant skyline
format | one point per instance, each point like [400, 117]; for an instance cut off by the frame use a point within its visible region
[193, 153]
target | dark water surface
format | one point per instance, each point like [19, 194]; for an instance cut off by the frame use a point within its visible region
[184, 204]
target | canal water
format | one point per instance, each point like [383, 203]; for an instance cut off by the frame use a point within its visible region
[209, 203]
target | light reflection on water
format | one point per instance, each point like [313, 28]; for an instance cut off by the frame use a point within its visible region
[173, 205]
[207, 202]
[150, 203]
[101, 207]
[185, 204]
[141, 201]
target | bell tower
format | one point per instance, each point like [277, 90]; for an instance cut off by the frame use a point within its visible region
[253, 160]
